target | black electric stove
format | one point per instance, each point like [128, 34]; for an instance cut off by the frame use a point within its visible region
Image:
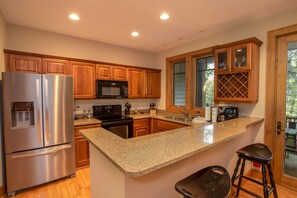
[113, 120]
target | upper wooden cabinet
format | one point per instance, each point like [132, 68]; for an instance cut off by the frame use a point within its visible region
[83, 79]
[109, 72]
[152, 81]
[23, 63]
[237, 71]
[55, 66]
[135, 83]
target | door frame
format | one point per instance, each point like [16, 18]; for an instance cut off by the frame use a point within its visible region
[271, 95]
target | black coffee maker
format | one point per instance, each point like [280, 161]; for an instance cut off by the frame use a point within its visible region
[227, 113]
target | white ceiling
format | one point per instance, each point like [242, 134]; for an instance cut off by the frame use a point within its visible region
[112, 21]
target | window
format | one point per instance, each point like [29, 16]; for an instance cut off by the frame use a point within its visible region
[190, 81]
[205, 81]
[179, 83]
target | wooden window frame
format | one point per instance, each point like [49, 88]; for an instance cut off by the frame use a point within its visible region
[190, 60]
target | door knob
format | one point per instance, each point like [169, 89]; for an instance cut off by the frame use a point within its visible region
[279, 128]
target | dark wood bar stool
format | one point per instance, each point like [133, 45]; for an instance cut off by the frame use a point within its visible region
[261, 154]
[210, 182]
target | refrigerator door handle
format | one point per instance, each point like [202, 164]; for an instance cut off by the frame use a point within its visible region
[39, 112]
[46, 116]
[44, 152]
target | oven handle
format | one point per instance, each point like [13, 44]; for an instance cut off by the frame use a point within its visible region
[118, 123]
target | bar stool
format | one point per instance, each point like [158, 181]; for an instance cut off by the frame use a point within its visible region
[261, 154]
[210, 182]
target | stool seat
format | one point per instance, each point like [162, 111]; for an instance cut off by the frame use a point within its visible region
[212, 181]
[256, 152]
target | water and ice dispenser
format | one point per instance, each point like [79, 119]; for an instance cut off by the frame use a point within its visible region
[22, 114]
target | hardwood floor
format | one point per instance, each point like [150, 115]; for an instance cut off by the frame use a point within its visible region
[79, 187]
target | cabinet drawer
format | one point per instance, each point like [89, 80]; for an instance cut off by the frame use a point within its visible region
[141, 122]
[164, 125]
[76, 129]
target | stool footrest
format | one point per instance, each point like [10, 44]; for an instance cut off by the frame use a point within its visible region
[247, 191]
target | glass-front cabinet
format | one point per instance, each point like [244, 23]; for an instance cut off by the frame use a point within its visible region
[222, 60]
[241, 57]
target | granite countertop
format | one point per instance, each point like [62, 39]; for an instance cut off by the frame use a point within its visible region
[141, 155]
[88, 121]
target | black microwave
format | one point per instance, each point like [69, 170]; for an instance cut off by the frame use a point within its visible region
[111, 89]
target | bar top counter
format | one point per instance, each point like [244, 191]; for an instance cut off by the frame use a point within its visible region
[141, 155]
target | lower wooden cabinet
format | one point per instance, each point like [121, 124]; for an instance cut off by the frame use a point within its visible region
[162, 125]
[147, 126]
[141, 127]
[82, 157]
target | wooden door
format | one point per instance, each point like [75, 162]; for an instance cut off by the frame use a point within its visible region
[152, 84]
[23, 63]
[103, 72]
[56, 66]
[135, 83]
[283, 91]
[83, 80]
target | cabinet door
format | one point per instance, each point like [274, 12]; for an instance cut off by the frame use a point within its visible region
[241, 57]
[135, 83]
[22, 63]
[83, 79]
[119, 73]
[103, 72]
[56, 66]
[141, 131]
[141, 127]
[153, 84]
[82, 156]
[223, 60]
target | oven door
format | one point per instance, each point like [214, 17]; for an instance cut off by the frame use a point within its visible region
[122, 128]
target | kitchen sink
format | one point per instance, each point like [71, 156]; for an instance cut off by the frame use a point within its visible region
[178, 118]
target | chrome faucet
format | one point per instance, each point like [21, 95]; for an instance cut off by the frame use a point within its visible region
[186, 113]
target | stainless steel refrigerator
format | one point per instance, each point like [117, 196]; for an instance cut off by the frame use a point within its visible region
[38, 129]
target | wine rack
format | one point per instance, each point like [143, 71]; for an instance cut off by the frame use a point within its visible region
[233, 85]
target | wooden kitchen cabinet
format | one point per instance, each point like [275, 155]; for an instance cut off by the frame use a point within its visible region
[158, 125]
[141, 127]
[82, 157]
[55, 66]
[163, 125]
[83, 79]
[110, 72]
[152, 84]
[135, 83]
[23, 63]
[238, 81]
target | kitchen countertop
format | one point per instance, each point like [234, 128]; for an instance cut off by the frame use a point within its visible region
[81, 122]
[141, 155]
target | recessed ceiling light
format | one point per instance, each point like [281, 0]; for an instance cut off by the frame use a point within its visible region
[74, 17]
[164, 16]
[135, 34]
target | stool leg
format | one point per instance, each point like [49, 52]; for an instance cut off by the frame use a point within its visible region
[265, 188]
[235, 170]
[240, 177]
[272, 181]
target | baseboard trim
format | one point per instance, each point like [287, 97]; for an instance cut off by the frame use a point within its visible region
[2, 191]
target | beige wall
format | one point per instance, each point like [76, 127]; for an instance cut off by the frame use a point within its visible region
[257, 29]
[2, 42]
[37, 41]
[2, 46]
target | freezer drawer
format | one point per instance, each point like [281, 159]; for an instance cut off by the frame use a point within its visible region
[30, 168]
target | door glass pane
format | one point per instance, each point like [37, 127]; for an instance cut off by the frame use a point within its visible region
[290, 165]
[205, 81]
[179, 83]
